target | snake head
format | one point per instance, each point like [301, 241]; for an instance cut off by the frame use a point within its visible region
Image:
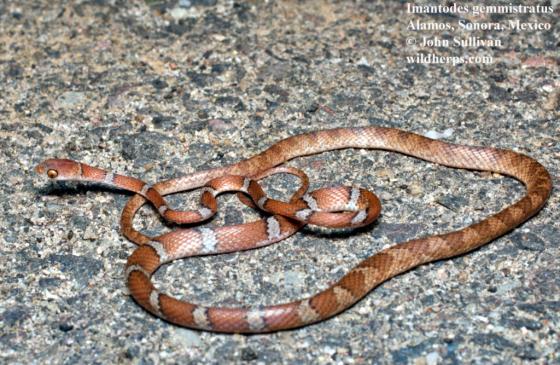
[60, 169]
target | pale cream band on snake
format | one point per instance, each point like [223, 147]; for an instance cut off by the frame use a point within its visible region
[331, 207]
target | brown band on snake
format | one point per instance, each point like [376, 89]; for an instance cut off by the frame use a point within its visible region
[359, 205]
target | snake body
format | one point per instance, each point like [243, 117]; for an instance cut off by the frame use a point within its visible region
[331, 207]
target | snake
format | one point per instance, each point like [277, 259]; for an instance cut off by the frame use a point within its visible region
[341, 206]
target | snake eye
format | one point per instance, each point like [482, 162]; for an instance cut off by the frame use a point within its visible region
[52, 174]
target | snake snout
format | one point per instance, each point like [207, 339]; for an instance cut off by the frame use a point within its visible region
[50, 172]
[40, 168]
[60, 169]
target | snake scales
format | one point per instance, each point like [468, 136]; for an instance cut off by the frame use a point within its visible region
[332, 207]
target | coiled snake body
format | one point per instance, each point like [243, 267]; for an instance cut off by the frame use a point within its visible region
[331, 207]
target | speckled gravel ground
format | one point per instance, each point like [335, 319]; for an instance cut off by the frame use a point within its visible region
[158, 89]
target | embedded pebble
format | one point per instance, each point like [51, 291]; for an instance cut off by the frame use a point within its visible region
[432, 358]
[440, 135]
[179, 13]
[70, 99]
[187, 338]
[552, 101]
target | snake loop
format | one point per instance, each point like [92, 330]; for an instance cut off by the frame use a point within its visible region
[332, 207]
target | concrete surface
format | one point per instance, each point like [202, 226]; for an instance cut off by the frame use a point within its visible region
[159, 89]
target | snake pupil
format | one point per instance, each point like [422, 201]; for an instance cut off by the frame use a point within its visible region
[52, 174]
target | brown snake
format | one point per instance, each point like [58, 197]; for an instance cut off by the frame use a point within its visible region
[332, 207]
